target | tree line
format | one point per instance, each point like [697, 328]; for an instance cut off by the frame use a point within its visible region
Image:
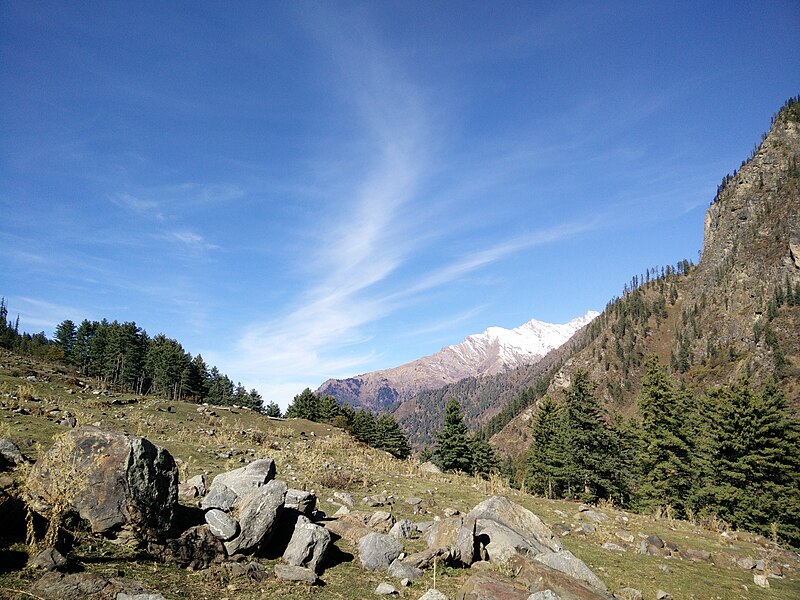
[381, 431]
[123, 356]
[733, 453]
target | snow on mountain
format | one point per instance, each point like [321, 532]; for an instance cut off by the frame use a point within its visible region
[495, 350]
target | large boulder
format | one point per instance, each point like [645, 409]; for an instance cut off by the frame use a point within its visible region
[197, 548]
[119, 483]
[257, 514]
[492, 586]
[302, 501]
[540, 577]
[308, 545]
[89, 586]
[566, 562]
[10, 456]
[376, 551]
[504, 529]
[244, 480]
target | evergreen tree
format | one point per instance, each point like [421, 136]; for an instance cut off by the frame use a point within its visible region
[590, 464]
[328, 409]
[664, 453]
[364, 427]
[484, 459]
[452, 444]
[305, 405]
[545, 460]
[390, 437]
[748, 460]
[272, 410]
[65, 337]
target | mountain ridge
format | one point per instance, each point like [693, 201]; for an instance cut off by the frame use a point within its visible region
[493, 351]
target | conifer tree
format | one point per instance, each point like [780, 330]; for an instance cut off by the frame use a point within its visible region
[328, 409]
[452, 444]
[364, 427]
[65, 337]
[389, 437]
[664, 453]
[545, 460]
[305, 405]
[484, 459]
[272, 410]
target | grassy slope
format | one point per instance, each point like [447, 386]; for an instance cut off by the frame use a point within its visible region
[321, 458]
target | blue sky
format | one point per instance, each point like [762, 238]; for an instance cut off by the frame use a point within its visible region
[304, 190]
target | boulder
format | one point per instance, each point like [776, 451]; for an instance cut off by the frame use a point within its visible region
[308, 545]
[566, 562]
[10, 454]
[630, 594]
[301, 501]
[385, 589]
[244, 480]
[381, 521]
[545, 595]
[505, 528]
[403, 529]
[539, 578]
[221, 524]
[219, 497]
[349, 527]
[376, 551]
[491, 585]
[88, 586]
[401, 570]
[257, 514]
[116, 482]
[197, 548]
[426, 558]
[294, 573]
[433, 594]
[48, 559]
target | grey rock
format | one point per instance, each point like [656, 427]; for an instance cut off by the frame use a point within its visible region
[630, 594]
[544, 595]
[429, 467]
[401, 570]
[593, 515]
[196, 548]
[342, 510]
[381, 521]
[221, 524]
[413, 501]
[385, 589]
[761, 581]
[294, 573]
[125, 596]
[346, 498]
[746, 563]
[613, 547]
[451, 512]
[48, 559]
[568, 563]
[257, 515]
[501, 543]
[301, 501]
[433, 594]
[244, 480]
[662, 595]
[123, 482]
[403, 529]
[376, 551]
[9, 453]
[220, 497]
[82, 586]
[308, 546]
[199, 482]
[654, 540]
[625, 536]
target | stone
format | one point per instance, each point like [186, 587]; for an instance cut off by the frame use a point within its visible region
[426, 558]
[429, 467]
[48, 559]
[593, 515]
[654, 540]
[120, 482]
[401, 570]
[381, 521]
[746, 563]
[294, 573]
[568, 563]
[221, 524]
[308, 546]
[613, 547]
[505, 528]
[545, 595]
[451, 512]
[538, 577]
[385, 589]
[219, 497]
[349, 527]
[696, 555]
[126, 596]
[341, 511]
[625, 536]
[199, 482]
[346, 498]
[88, 586]
[433, 594]
[257, 515]
[761, 581]
[413, 501]
[630, 594]
[662, 595]
[403, 529]
[301, 501]
[491, 585]
[244, 480]
[10, 454]
[376, 551]
[197, 548]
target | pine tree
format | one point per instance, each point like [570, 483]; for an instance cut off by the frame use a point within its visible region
[484, 459]
[328, 409]
[364, 427]
[452, 444]
[273, 410]
[590, 463]
[65, 337]
[545, 460]
[748, 460]
[305, 405]
[664, 454]
[389, 437]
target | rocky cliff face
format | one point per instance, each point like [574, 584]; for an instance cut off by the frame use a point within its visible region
[737, 313]
[496, 350]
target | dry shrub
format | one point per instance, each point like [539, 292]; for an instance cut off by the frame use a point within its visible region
[26, 392]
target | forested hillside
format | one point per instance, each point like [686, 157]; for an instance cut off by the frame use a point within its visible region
[124, 357]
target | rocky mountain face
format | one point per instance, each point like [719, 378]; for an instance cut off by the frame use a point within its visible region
[735, 314]
[496, 350]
